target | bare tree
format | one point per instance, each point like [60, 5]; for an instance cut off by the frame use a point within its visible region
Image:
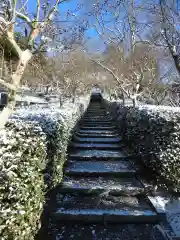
[170, 19]
[74, 69]
[120, 35]
[133, 73]
[10, 13]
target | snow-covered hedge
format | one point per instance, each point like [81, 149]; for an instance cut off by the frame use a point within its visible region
[154, 134]
[32, 152]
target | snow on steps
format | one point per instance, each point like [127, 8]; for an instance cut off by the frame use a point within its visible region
[105, 209]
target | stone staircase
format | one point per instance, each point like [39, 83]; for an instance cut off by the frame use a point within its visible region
[101, 196]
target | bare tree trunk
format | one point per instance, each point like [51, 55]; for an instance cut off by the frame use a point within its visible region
[73, 95]
[123, 99]
[73, 99]
[169, 39]
[134, 101]
[60, 101]
[16, 78]
[176, 61]
[8, 109]
[47, 89]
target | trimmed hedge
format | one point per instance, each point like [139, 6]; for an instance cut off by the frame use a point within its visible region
[154, 134]
[32, 152]
[23, 157]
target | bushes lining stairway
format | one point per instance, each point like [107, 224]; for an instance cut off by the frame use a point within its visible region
[101, 196]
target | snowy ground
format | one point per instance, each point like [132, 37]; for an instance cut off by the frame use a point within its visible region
[159, 108]
[171, 208]
[30, 99]
[148, 107]
[51, 109]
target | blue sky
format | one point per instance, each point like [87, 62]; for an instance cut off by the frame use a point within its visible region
[77, 7]
[94, 41]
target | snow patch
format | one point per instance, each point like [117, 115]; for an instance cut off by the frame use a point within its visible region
[173, 215]
[100, 212]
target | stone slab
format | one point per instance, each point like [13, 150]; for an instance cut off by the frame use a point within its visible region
[97, 140]
[97, 145]
[97, 154]
[105, 209]
[99, 131]
[97, 127]
[80, 231]
[122, 168]
[125, 186]
[97, 135]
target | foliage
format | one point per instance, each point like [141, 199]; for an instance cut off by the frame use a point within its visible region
[23, 157]
[32, 152]
[155, 136]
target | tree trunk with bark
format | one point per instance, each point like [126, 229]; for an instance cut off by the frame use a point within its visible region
[73, 99]
[16, 78]
[134, 101]
[123, 99]
[60, 101]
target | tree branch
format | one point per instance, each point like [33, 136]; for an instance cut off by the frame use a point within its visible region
[14, 11]
[38, 11]
[25, 18]
[39, 27]
[23, 7]
[113, 74]
[8, 85]
[14, 44]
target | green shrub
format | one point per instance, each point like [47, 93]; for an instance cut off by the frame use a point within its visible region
[32, 153]
[155, 136]
[23, 157]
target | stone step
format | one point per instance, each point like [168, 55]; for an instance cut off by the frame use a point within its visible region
[95, 106]
[97, 127]
[96, 131]
[122, 209]
[96, 135]
[96, 119]
[108, 231]
[101, 120]
[92, 106]
[121, 168]
[96, 113]
[96, 110]
[100, 126]
[97, 140]
[92, 115]
[98, 155]
[99, 116]
[96, 124]
[159, 203]
[106, 146]
[98, 185]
